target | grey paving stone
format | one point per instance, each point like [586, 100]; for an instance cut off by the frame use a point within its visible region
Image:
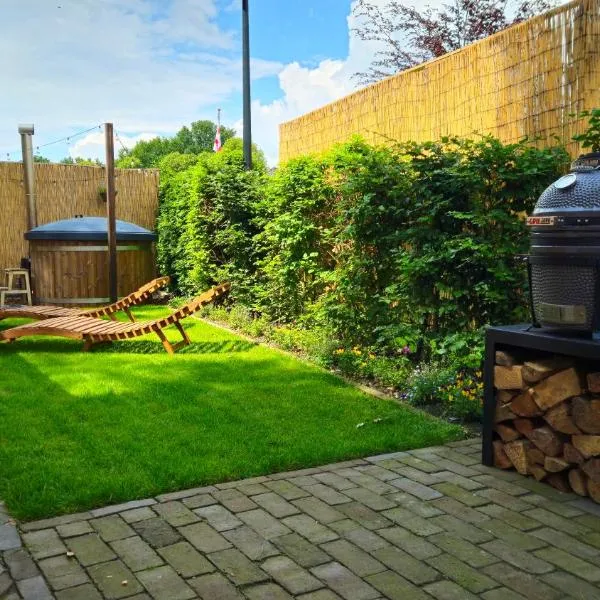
[90, 549]
[62, 572]
[248, 482]
[237, 567]
[112, 528]
[589, 521]
[82, 592]
[370, 483]
[234, 500]
[163, 583]
[365, 516]
[514, 519]
[358, 535]
[342, 581]
[513, 537]
[54, 522]
[530, 586]
[297, 473]
[451, 506]
[73, 529]
[586, 505]
[375, 470]
[415, 545]
[34, 588]
[275, 504]
[157, 532]
[44, 543]
[462, 574]
[464, 550]
[318, 510]
[136, 553]
[250, 543]
[516, 503]
[571, 586]
[175, 513]
[214, 587]
[415, 488]
[458, 493]
[550, 519]
[568, 562]
[334, 480]
[502, 594]
[289, 575]
[518, 558]
[186, 561]
[569, 544]
[319, 595]
[199, 501]
[388, 456]
[9, 537]
[138, 514]
[263, 523]
[6, 583]
[303, 481]
[207, 489]
[109, 578]
[117, 508]
[420, 464]
[266, 591]
[412, 522]
[20, 564]
[370, 499]
[563, 509]
[420, 476]
[251, 489]
[448, 590]
[395, 587]
[468, 483]
[203, 537]
[403, 563]
[461, 528]
[358, 561]
[218, 517]
[451, 465]
[328, 494]
[310, 529]
[300, 550]
[490, 481]
[286, 490]
[543, 489]
[419, 507]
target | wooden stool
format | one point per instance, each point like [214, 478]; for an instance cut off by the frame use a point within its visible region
[10, 290]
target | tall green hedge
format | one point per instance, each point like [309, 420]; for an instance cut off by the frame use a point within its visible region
[384, 246]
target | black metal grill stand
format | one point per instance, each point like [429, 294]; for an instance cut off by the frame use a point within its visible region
[525, 337]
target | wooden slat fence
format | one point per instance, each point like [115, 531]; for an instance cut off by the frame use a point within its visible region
[63, 191]
[524, 81]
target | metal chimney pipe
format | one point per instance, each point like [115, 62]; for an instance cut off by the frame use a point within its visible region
[26, 131]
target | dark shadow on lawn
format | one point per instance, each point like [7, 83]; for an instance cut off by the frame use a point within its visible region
[58, 345]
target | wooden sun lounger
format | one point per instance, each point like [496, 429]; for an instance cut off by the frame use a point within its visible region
[96, 331]
[51, 312]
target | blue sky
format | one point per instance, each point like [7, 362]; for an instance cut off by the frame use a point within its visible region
[152, 66]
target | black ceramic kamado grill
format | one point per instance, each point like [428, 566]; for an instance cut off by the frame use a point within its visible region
[564, 260]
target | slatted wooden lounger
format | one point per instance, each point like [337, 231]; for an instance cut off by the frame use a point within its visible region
[51, 312]
[94, 331]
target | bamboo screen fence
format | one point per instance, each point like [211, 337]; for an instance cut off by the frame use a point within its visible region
[63, 191]
[524, 81]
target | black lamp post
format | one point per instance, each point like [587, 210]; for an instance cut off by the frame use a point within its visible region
[246, 86]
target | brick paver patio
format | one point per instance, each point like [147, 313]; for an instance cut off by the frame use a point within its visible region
[431, 523]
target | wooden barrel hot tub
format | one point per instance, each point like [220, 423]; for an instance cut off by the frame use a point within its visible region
[69, 260]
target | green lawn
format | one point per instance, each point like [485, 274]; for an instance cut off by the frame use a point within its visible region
[128, 421]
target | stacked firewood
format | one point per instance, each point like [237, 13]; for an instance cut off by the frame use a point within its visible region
[547, 422]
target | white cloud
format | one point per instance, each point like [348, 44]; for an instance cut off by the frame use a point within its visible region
[92, 145]
[144, 65]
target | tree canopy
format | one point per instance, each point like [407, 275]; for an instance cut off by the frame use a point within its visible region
[411, 36]
[195, 139]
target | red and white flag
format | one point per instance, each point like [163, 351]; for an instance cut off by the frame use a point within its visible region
[217, 144]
